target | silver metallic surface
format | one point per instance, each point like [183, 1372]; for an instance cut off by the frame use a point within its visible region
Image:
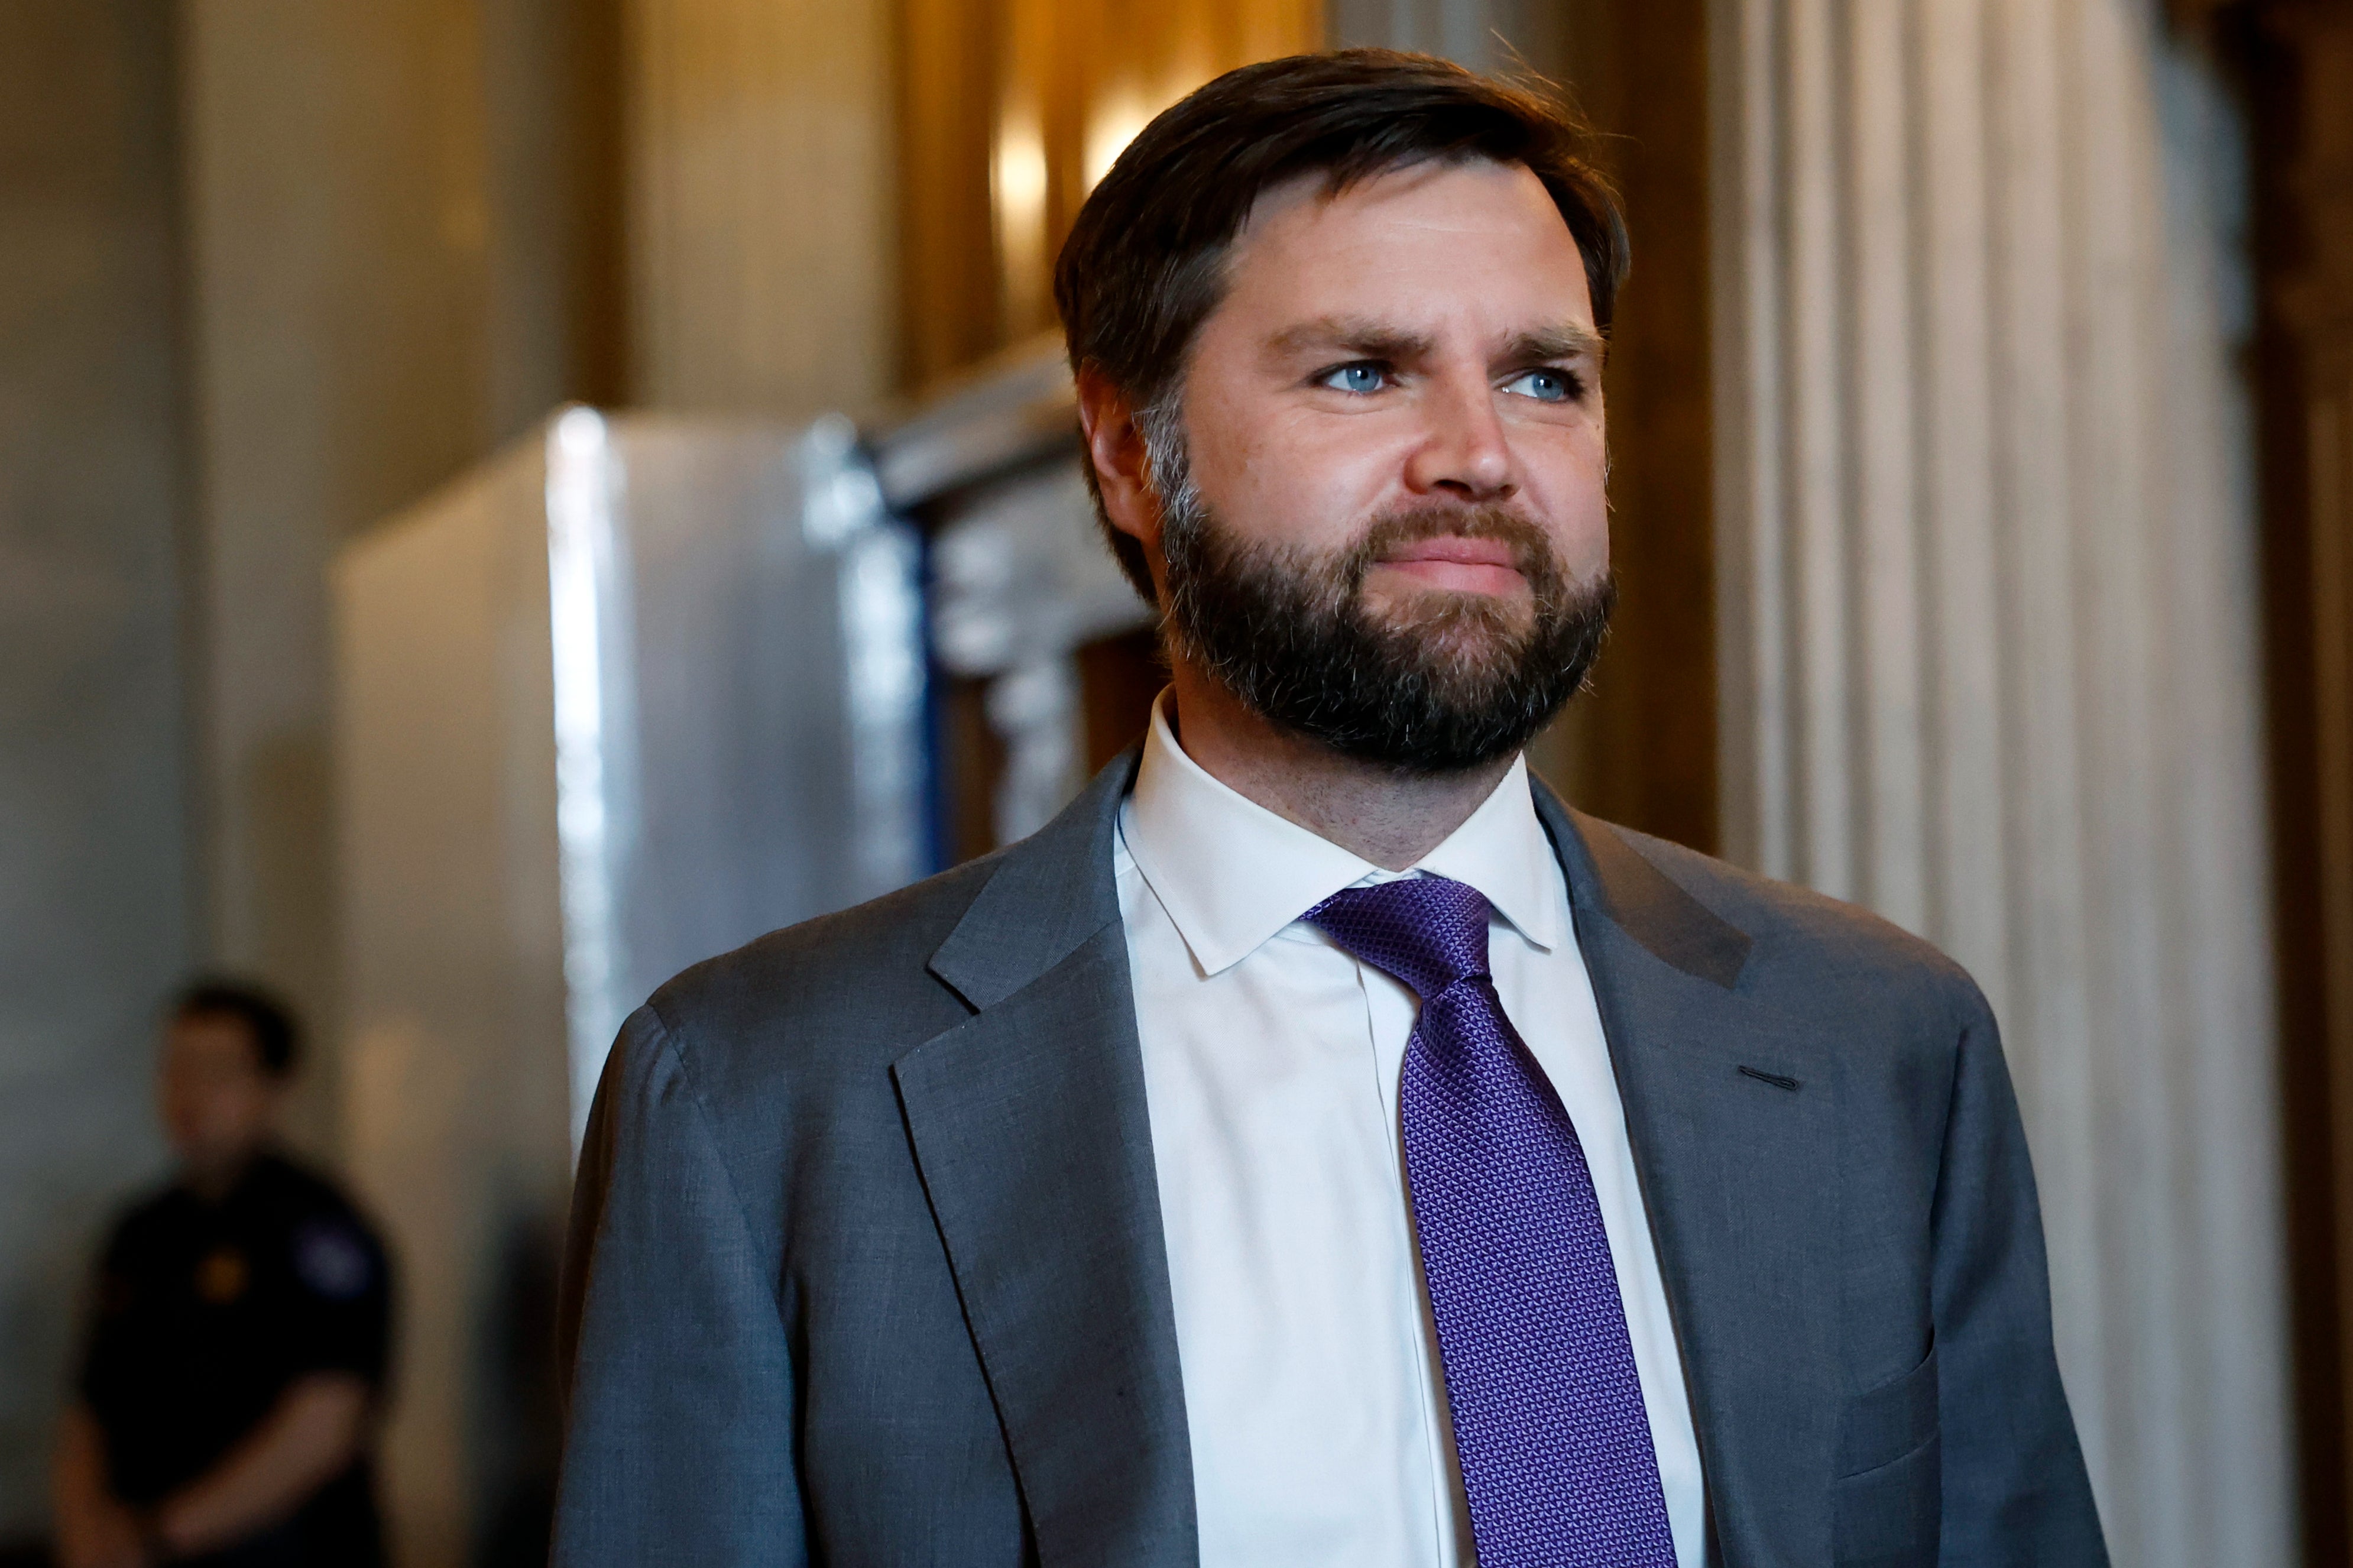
[631, 694]
[754, 680]
[1017, 410]
[1021, 576]
[710, 692]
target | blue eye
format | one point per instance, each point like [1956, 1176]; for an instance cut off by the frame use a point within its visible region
[1544, 385]
[1362, 377]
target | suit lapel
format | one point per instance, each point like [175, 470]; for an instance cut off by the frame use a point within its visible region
[1030, 1125]
[1733, 1111]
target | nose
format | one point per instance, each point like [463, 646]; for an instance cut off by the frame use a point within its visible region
[1463, 452]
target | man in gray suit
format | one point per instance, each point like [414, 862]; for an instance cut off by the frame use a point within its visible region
[1319, 1145]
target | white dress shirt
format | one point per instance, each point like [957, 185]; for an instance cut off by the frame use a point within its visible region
[1312, 1388]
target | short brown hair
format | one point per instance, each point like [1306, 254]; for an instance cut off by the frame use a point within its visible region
[1144, 264]
[268, 1024]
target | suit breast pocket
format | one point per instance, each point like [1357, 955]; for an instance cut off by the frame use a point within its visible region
[1888, 1495]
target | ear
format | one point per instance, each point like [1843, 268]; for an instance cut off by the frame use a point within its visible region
[1115, 447]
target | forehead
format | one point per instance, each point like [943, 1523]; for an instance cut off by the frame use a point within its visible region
[211, 1036]
[1426, 240]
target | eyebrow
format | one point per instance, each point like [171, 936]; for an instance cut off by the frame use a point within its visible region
[1569, 340]
[1359, 335]
[1371, 339]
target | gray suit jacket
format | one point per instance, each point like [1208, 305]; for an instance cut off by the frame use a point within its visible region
[866, 1263]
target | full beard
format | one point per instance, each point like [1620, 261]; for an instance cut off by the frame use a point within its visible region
[1442, 683]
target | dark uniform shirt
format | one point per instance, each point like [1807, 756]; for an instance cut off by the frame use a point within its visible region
[207, 1313]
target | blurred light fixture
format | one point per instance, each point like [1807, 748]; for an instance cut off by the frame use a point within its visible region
[1118, 118]
[1018, 180]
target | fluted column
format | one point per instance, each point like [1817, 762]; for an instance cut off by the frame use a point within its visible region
[1987, 588]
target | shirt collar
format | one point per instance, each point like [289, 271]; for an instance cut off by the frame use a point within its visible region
[1231, 874]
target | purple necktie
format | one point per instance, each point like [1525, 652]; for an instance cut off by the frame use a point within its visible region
[1549, 1419]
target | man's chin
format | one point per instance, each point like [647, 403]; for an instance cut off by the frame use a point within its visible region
[1395, 594]
[1450, 613]
[1464, 630]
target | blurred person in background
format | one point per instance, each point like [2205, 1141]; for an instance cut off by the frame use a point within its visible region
[236, 1354]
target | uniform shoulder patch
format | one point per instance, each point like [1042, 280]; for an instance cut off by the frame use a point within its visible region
[333, 1260]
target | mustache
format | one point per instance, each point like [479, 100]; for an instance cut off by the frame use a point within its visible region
[1532, 551]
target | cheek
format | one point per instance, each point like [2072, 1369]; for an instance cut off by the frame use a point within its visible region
[1568, 488]
[1284, 476]
[204, 1109]
[252, 1109]
[1588, 544]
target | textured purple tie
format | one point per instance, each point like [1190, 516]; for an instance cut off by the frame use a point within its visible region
[1548, 1418]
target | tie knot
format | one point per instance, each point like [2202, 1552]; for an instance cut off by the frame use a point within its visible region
[1430, 932]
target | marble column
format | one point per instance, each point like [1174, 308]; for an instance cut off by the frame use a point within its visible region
[1986, 573]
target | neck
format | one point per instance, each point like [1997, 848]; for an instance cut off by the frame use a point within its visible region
[215, 1179]
[1381, 815]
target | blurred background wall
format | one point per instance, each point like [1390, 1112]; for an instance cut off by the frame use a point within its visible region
[1982, 419]
[98, 837]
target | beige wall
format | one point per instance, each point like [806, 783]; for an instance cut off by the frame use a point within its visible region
[761, 194]
[94, 905]
[389, 258]
[397, 225]
[415, 228]
[339, 239]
